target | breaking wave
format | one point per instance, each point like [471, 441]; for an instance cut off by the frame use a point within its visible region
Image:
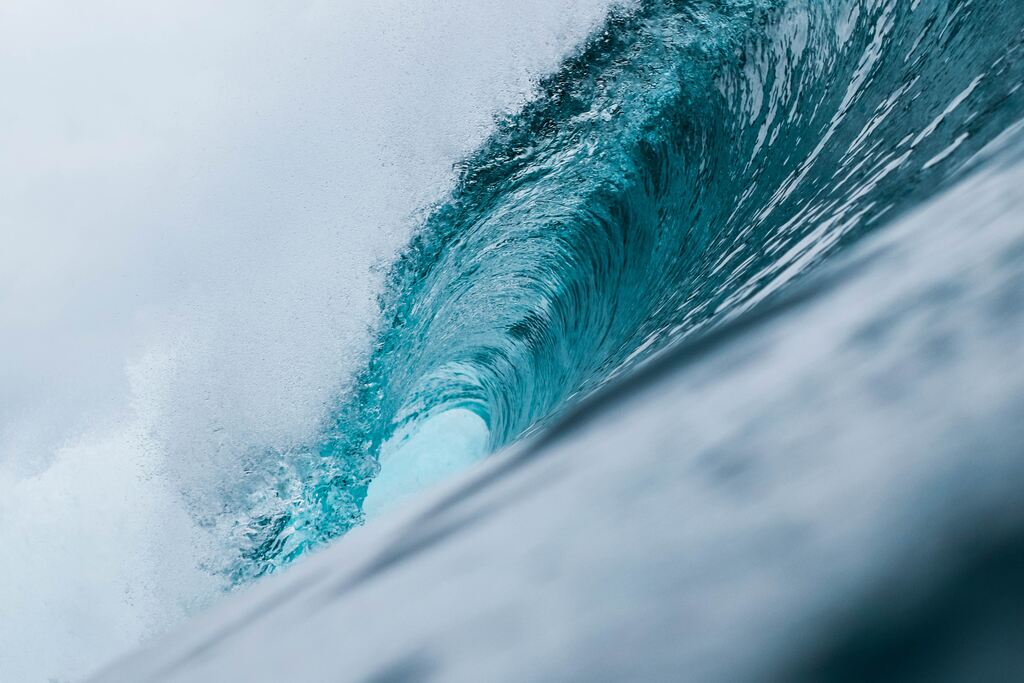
[686, 164]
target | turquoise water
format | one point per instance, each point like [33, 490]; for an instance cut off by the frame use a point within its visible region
[688, 163]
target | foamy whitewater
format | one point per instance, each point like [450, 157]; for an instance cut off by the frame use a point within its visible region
[709, 278]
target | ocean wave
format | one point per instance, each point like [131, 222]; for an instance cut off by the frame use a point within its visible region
[685, 166]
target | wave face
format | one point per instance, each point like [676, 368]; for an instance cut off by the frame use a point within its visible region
[691, 160]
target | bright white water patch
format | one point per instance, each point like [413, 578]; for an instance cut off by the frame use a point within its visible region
[441, 446]
[97, 553]
[211, 185]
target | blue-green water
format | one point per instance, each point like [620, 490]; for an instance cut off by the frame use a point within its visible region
[688, 163]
